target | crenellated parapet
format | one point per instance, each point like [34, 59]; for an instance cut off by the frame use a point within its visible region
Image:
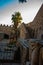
[5, 25]
[6, 29]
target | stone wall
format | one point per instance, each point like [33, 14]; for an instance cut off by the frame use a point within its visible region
[37, 24]
[36, 52]
[23, 53]
[5, 29]
[23, 31]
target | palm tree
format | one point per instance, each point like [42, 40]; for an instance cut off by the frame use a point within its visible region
[16, 19]
[22, 1]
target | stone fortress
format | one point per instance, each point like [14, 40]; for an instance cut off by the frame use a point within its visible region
[30, 40]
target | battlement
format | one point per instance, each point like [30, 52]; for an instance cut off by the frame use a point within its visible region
[6, 28]
[5, 25]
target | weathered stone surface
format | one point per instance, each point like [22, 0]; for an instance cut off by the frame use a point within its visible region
[23, 57]
[35, 57]
[36, 54]
[37, 24]
[6, 29]
[41, 56]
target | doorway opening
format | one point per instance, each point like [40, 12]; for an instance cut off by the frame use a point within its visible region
[6, 36]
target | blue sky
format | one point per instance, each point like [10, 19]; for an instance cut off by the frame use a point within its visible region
[28, 10]
[6, 2]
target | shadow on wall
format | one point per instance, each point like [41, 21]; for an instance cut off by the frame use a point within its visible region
[17, 56]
